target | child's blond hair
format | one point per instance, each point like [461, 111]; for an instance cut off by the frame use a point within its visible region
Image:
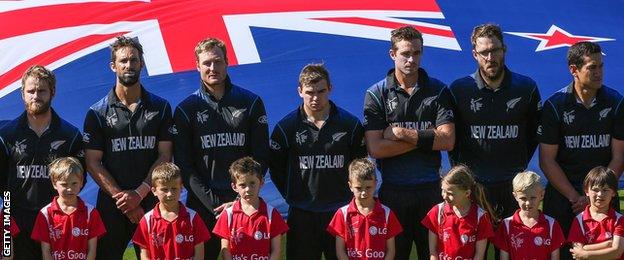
[61, 168]
[243, 167]
[362, 170]
[525, 181]
[165, 172]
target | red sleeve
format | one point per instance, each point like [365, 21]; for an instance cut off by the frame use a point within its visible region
[40, 230]
[278, 226]
[394, 227]
[575, 235]
[501, 238]
[557, 237]
[141, 234]
[96, 226]
[431, 220]
[221, 227]
[485, 230]
[619, 228]
[337, 225]
[200, 231]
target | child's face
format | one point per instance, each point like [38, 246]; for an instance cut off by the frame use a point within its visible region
[453, 195]
[69, 187]
[600, 196]
[167, 191]
[247, 186]
[362, 189]
[530, 199]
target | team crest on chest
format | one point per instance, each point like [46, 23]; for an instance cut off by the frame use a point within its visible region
[604, 113]
[202, 116]
[476, 105]
[568, 117]
[511, 104]
[301, 137]
[20, 147]
[516, 240]
[392, 104]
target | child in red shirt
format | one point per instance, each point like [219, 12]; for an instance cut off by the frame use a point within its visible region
[459, 227]
[68, 228]
[528, 233]
[170, 230]
[364, 228]
[250, 228]
[13, 231]
[597, 231]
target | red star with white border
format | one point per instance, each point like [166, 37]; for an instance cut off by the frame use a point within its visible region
[556, 38]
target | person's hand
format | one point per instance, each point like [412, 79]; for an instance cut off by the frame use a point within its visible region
[135, 215]
[223, 206]
[127, 200]
[578, 253]
[579, 205]
[392, 133]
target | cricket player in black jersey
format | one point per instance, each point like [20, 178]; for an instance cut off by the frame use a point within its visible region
[126, 135]
[408, 119]
[27, 145]
[582, 127]
[496, 119]
[311, 149]
[216, 125]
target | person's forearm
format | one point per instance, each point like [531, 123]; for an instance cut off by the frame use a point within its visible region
[597, 246]
[557, 178]
[442, 141]
[103, 178]
[384, 148]
[605, 253]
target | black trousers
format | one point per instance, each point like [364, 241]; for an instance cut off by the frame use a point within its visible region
[411, 205]
[119, 229]
[307, 238]
[23, 246]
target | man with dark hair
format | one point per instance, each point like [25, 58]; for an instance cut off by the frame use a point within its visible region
[496, 110]
[216, 125]
[127, 134]
[408, 120]
[311, 149]
[27, 145]
[582, 127]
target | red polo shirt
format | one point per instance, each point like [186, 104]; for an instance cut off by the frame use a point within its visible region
[522, 242]
[250, 236]
[68, 234]
[365, 236]
[458, 236]
[175, 239]
[586, 230]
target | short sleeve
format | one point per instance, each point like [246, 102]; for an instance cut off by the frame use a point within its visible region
[40, 230]
[501, 239]
[200, 231]
[374, 111]
[13, 228]
[575, 235]
[557, 238]
[548, 130]
[618, 122]
[431, 220]
[278, 225]
[141, 235]
[337, 225]
[445, 113]
[221, 227]
[394, 227]
[96, 226]
[93, 136]
[485, 230]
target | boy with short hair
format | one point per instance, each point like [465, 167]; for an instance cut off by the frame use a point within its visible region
[596, 233]
[68, 228]
[249, 227]
[365, 228]
[528, 233]
[170, 230]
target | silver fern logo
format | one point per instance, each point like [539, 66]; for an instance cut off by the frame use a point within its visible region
[337, 136]
[237, 113]
[428, 101]
[604, 113]
[56, 144]
[511, 104]
[150, 115]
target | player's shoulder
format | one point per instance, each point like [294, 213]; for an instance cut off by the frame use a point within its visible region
[462, 83]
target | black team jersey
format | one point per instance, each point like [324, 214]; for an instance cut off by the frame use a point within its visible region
[129, 140]
[24, 159]
[495, 129]
[211, 134]
[429, 106]
[309, 166]
[583, 134]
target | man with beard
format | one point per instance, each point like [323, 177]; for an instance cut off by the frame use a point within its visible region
[27, 145]
[127, 134]
[582, 127]
[408, 120]
[496, 115]
[216, 125]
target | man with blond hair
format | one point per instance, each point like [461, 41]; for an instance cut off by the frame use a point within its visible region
[27, 145]
[311, 149]
[216, 125]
